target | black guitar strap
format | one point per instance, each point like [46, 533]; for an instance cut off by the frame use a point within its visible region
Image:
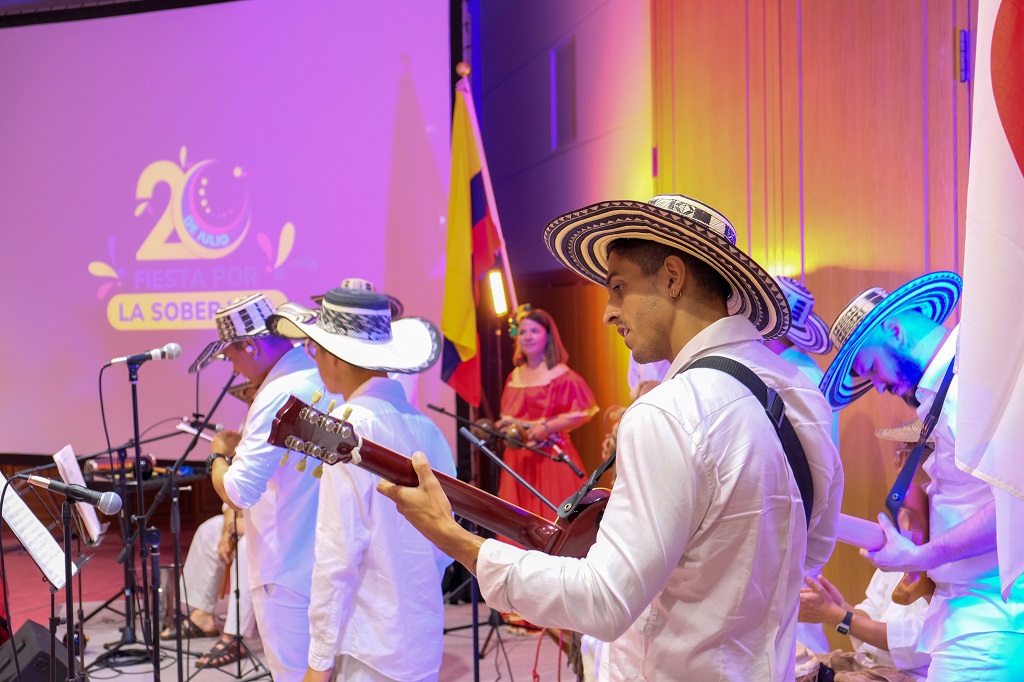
[776, 411]
[773, 407]
[894, 502]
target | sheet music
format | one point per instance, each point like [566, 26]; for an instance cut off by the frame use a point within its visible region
[69, 470]
[34, 537]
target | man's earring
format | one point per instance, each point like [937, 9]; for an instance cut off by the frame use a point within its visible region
[251, 350]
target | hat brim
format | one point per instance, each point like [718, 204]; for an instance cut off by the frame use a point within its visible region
[812, 336]
[907, 432]
[934, 295]
[580, 240]
[415, 343]
[214, 349]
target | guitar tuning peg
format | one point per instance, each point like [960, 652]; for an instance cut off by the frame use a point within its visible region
[301, 466]
[330, 408]
[318, 471]
[346, 413]
[284, 458]
[317, 397]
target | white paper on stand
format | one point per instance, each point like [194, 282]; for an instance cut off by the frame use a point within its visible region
[35, 538]
[69, 470]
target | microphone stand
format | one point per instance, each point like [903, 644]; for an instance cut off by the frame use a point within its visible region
[169, 485]
[480, 445]
[559, 455]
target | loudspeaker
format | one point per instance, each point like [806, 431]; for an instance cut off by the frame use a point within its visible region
[32, 644]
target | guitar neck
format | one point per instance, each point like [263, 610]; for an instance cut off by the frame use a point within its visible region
[473, 504]
[860, 533]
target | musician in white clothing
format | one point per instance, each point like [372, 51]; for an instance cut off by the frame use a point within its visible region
[377, 613]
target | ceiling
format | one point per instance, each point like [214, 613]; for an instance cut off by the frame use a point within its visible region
[23, 12]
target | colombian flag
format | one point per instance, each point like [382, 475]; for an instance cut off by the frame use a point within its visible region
[474, 237]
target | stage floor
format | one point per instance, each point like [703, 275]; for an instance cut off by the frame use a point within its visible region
[513, 660]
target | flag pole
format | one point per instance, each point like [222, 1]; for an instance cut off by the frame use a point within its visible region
[463, 85]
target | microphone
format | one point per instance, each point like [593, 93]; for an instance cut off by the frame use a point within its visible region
[195, 423]
[564, 458]
[108, 502]
[168, 352]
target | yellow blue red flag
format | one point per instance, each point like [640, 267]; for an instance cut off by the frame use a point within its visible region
[474, 242]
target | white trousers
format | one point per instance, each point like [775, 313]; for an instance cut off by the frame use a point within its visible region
[974, 635]
[283, 619]
[203, 574]
[349, 669]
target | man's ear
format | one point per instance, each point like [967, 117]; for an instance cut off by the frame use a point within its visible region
[895, 332]
[674, 271]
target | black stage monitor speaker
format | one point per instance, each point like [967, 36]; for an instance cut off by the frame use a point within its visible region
[32, 643]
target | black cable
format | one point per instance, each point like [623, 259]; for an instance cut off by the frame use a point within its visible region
[3, 579]
[103, 420]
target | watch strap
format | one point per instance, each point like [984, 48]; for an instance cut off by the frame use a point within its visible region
[844, 627]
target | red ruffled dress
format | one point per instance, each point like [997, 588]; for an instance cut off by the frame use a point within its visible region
[565, 394]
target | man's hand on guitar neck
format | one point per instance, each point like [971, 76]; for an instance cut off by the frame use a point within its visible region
[974, 536]
[898, 554]
[427, 508]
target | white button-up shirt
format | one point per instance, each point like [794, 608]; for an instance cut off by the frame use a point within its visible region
[378, 581]
[279, 502]
[698, 565]
[903, 628]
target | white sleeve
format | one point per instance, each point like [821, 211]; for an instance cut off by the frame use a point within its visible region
[341, 539]
[663, 487]
[255, 461]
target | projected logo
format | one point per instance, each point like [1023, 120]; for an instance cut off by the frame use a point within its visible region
[202, 213]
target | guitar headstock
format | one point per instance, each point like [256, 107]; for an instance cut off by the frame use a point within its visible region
[304, 429]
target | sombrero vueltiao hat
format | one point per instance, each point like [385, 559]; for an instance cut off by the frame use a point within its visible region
[807, 331]
[934, 295]
[243, 318]
[355, 325]
[580, 241]
[366, 285]
[907, 432]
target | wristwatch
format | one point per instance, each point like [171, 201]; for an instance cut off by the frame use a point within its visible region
[844, 627]
[213, 456]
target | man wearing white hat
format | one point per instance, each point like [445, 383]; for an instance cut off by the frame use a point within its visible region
[279, 503]
[377, 612]
[897, 344]
[884, 634]
[702, 549]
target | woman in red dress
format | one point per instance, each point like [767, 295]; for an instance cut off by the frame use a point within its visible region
[547, 400]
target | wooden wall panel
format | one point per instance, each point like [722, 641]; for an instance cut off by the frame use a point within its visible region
[837, 144]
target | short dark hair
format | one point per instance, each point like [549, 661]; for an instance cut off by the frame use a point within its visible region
[649, 256]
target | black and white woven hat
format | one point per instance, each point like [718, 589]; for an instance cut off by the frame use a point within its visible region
[934, 295]
[807, 330]
[355, 325]
[243, 318]
[397, 309]
[580, 241]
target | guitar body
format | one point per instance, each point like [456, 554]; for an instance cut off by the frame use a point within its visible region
[914, 518]
[311, 433]
[579, 531]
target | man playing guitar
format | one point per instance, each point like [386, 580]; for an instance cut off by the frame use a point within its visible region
[896, 343]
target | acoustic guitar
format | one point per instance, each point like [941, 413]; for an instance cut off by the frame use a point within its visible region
[869, 535]
[313, 434]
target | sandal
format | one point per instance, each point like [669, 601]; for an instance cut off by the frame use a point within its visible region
[188, 629]
[224, 652]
